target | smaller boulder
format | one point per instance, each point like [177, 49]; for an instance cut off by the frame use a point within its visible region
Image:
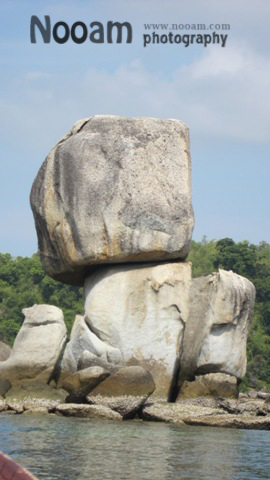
[83, 339]
[212, 384]
[88, 359]
[79, 384]
[5, 351]
[87, 411]
[34, 394]
[263, 395]
[37, 347]
[3, 404]
[36, 411]
[176, 412]
[125, 391]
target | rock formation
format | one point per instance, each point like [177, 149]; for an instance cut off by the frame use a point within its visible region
[144, 315]
[113, 212]
[5, 351]
[80, 383]
[125, 391]
[220, 313]
[37, 347]
[82, 340]
[114, 190]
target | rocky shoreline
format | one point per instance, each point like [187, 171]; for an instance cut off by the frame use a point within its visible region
[249, 411]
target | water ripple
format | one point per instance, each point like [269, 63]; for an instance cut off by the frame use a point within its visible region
[55, 448]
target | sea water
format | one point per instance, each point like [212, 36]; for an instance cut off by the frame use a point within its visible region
[53, 447]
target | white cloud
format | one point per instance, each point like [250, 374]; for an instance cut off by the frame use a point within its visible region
[224, 93]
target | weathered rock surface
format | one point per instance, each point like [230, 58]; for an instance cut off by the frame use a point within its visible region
[142, 311]
[231, 421]
[4, 386]
[126, 405]
[87, 411]
[88, 359]
[3, 404]
[191, 414]
[125, 391]
[126, 381]
[5, 351]
[38, 345]
[79, 384]
[221, 307]
[114, 190]
[263, 395]
[176, 412]
[82, 339]
[249, 406]
[212, 384]
[34, 394]
[36, 411]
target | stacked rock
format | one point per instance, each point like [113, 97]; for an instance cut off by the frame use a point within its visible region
[113, 213]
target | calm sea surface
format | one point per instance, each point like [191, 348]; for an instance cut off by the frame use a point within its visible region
[72, 448]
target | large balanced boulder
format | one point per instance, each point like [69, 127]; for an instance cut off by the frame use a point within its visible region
[114, 190]
[37, 347]
[220, 313]
[142, 311]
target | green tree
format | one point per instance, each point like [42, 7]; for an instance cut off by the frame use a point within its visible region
[238, 257]
[202, 255]
[23, 283]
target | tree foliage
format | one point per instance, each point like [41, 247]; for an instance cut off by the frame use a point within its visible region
[24, 283]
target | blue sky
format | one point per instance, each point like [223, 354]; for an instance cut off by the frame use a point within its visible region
[221, 93]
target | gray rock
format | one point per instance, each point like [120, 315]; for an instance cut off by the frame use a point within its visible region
[87, 411]
[114, 190]
[125, 391]
[248, 407]
[82, 339]
[147, 321]
[36, 411]
[263, 395]
[88, 359]
[3, 404]
[37, 347]
[32, 395]
[212, 384]
[4, 386]
[253, 394]
[5, 351]
[126, 405]
[79, 384]
[176, 412]
[231, 421]
[221, 308]
[133, 381]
